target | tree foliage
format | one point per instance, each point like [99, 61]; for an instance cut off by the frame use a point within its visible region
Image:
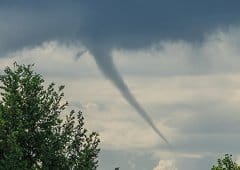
[226, 164]
[32, 134]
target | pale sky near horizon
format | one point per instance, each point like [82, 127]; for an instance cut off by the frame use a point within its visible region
[179, 59]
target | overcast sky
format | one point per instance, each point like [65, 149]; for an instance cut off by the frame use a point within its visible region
[180, 59]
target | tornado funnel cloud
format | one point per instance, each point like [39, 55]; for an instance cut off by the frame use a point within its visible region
[107, 66]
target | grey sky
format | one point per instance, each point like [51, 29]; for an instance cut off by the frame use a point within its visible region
[179, 58]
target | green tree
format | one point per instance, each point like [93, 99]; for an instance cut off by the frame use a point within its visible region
[32, 134]
[226, 164]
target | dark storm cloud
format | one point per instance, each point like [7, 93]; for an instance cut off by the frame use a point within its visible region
[102, 26]
[111, 24]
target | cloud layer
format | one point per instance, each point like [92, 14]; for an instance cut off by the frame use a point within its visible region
[108, 25]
